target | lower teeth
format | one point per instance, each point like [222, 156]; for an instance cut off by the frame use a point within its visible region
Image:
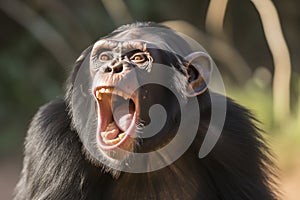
[113, 141]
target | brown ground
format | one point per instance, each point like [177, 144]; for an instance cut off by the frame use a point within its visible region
[9, 174]
[290, 179]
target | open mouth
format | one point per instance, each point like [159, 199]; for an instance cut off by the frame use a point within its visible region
[117, 117]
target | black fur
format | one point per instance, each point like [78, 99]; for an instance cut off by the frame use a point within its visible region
[55, 167]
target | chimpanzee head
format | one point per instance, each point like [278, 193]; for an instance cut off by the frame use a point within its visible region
[119, 81]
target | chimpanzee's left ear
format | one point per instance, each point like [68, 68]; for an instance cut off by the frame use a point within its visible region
[199, 68]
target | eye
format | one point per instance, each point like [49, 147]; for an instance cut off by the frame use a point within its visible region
[105, 56]
[139, 57]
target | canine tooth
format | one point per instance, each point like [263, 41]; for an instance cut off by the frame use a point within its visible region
[98, 95]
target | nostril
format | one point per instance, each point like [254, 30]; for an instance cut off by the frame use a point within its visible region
[114, 69]
[118, 68]
[108, 69]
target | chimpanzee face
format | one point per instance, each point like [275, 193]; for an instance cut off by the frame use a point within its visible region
[124, 70]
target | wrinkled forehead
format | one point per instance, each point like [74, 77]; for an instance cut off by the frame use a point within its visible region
[144, 38]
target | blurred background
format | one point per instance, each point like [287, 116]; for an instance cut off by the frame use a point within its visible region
[255, 44]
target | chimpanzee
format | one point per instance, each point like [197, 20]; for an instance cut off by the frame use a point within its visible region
[137, 110]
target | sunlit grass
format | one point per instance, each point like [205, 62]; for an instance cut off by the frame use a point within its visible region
[257, 99]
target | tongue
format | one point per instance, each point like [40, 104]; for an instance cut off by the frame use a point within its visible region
[122, 116]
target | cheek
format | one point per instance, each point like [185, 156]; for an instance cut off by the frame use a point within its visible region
[159, 106]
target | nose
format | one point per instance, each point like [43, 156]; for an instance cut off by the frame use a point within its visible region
[117, 68]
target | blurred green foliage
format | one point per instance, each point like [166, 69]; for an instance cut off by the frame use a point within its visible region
[30, 75]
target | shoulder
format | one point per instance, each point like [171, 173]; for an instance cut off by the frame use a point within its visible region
[50, 124]
[52, 115]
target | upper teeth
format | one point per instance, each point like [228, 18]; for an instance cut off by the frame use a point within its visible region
[110, 91]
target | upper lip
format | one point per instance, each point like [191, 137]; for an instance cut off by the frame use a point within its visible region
[111, 90]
